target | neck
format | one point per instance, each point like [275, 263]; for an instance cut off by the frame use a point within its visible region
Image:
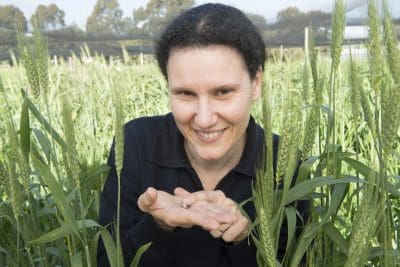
[212, 171]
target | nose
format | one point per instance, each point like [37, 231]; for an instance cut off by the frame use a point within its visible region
[205, 113]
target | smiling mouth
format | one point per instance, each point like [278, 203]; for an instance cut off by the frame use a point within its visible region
[209, 136]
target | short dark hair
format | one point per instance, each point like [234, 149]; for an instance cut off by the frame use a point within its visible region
[213, 24]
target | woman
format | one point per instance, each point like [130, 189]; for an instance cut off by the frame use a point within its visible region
[184, 173]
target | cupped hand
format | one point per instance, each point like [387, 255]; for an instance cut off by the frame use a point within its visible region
[169, 211]
[234, 231]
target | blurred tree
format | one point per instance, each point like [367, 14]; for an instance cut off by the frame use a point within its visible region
[258, 20]
[319, 18]
[11, 15]
[70, 32]
[125, 26]
[50, 16]
[292, 17]
[291, 23]
[289, 15]
[156, 15]
[106, 19]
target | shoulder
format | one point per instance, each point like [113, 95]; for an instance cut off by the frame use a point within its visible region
[259, 135]
[260, 140]
[142, 133]
[147, 125]
[144, 122]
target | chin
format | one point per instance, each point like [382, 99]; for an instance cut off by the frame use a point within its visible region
[210, 156]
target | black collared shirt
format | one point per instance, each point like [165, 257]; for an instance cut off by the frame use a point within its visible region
[154, 156]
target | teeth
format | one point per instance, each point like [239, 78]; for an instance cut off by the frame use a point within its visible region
[209, 135]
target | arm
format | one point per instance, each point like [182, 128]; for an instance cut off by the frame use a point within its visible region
[148, 214]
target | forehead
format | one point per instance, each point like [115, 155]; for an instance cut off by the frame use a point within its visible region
[206, 67]
[211, 54]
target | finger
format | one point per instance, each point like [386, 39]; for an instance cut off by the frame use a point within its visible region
[179, 191]
[219, 213]
[216, 233]
[205, 219]
[225, 206]
[211, 196]
[225, 218]
[224, 227]
[202, 204]
[147, 199]
[237, 231]
[222, 216]
[230, 205]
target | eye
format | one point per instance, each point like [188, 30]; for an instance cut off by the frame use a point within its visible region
[223, 91]
[182, 92]
[185, 93]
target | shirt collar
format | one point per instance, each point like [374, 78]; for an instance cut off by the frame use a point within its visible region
[168, 150]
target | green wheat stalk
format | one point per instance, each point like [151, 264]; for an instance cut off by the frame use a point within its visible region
[17, 155]
[266, 237]
[42, 56]
[119, 154]
[310, 132]
[29, 61]
[285, 143]
[375, 47]
[338, 24]
[72, 166]
[29, 64]
[35, 58]
[366, 108]
[13, 157]
[263, 191]
[4, 177]
[391, 96]
[266, 180]
[311, 124]
[312, 58]
[391, 41]
[355, 88]
[364, 225]
[306, 82]
[390, 116]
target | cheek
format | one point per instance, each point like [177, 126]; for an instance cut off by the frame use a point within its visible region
[236, 111]
[182, 111]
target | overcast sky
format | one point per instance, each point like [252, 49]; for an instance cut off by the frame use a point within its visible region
[78, 10]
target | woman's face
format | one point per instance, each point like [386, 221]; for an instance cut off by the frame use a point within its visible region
[211, 92]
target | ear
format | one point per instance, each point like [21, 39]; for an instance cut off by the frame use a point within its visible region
[257, 84]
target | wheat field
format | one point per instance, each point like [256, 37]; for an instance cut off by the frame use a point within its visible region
[59, 116]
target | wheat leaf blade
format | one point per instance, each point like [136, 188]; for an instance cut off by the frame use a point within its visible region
[57, 192]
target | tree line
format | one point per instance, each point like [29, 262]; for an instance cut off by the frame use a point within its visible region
[107, 18]
[107, 22]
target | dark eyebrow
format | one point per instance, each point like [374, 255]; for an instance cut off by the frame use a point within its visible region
[180, 89]
[224, 86]
[227, 86]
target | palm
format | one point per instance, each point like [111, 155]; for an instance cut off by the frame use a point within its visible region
[168, 210]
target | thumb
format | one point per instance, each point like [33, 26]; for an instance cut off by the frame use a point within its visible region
[180, 192]
[147, 199]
